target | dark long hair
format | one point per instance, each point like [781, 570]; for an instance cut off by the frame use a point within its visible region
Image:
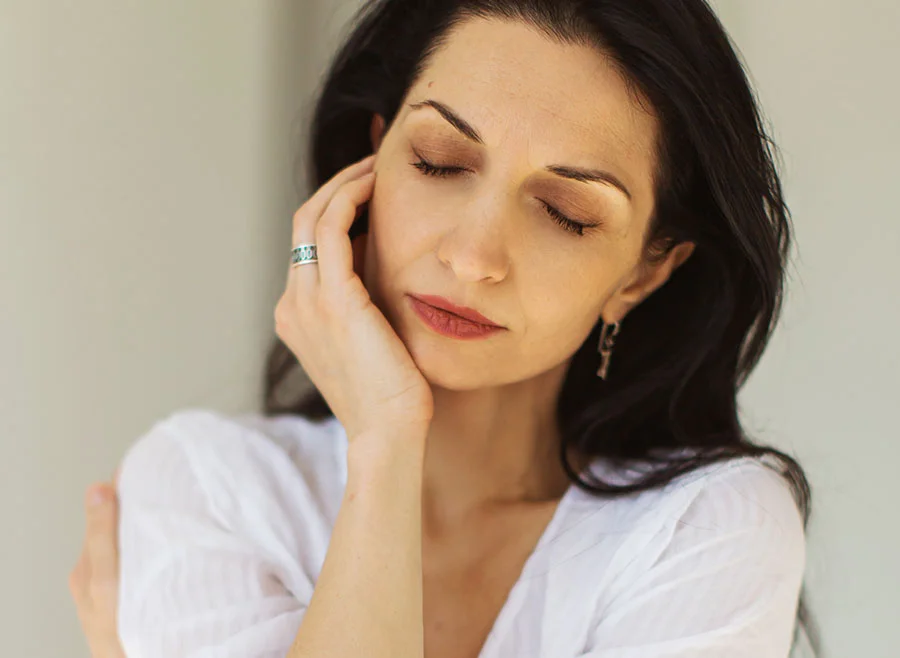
[685, 351]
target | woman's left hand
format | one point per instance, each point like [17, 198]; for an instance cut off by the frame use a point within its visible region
[94, 582]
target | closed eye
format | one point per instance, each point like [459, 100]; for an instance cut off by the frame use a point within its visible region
[567, 223]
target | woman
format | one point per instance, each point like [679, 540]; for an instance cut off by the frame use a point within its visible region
[512, 187]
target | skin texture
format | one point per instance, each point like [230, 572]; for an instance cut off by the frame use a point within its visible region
[94, 581]
[484, 239]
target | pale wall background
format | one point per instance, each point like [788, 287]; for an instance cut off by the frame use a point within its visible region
[146, 189]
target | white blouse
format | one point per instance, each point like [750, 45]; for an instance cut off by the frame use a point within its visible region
[225, 523]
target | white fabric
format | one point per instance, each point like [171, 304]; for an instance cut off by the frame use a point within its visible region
[225, 523]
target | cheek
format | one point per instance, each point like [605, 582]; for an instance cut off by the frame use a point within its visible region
[563, 306]
[564, 314]
[553, 334]
[393, 240]
[398, 216]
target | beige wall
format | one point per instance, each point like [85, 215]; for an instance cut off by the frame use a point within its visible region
[145, 202]
[826, 391]
[146, 197]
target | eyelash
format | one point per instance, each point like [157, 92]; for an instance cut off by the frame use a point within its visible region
[568, 224]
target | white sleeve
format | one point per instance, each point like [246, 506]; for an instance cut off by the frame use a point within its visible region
[189, 586]
[727, 583]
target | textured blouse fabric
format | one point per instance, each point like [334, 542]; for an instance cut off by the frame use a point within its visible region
[225, 523]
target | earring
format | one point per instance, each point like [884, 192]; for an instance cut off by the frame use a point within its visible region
[607, 342]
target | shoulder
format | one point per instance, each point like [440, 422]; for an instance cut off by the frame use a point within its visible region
[743, 495]
[741, 491]
[193, 432]
[231, 459]
[198, 427]
[221, 535]
[740, 510]
[715, 558]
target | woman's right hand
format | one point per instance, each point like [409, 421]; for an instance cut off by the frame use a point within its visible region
[328, 320]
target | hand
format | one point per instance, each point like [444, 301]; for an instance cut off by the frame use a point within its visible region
[328, 320]
[94, 582]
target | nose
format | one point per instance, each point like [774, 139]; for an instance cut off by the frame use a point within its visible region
[477, 247]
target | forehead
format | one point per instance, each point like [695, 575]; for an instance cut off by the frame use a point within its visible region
[567, 101]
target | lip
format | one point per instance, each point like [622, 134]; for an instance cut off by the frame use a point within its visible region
[462, 311]
[449, 324]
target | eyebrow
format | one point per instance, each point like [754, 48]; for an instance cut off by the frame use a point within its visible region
[580, 174]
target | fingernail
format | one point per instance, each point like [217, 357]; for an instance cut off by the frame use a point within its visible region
[96, 496]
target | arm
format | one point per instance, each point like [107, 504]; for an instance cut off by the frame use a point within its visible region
[368, 599]
[191, 584]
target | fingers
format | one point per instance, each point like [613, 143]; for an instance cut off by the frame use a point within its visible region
[101, 542]
[94, 581]
[78, 578]
[335, 251]
[320, 199]
[306, 218]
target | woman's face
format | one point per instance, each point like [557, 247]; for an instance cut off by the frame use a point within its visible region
[483, 236]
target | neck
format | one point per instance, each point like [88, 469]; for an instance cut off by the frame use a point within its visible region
[493, 447]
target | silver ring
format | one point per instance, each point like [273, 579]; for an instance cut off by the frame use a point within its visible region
[303, 254]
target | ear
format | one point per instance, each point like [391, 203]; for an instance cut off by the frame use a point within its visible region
[376, 131]
[648, 277]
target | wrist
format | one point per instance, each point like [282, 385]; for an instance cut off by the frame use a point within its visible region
[389, 452]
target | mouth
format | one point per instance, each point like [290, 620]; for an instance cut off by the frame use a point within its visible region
[463, 312]
[448, 323]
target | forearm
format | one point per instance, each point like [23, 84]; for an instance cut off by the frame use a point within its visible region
[368, 598]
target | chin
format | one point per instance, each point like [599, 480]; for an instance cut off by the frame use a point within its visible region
[452, 365]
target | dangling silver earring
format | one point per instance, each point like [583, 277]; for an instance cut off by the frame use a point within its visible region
[607, 342]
